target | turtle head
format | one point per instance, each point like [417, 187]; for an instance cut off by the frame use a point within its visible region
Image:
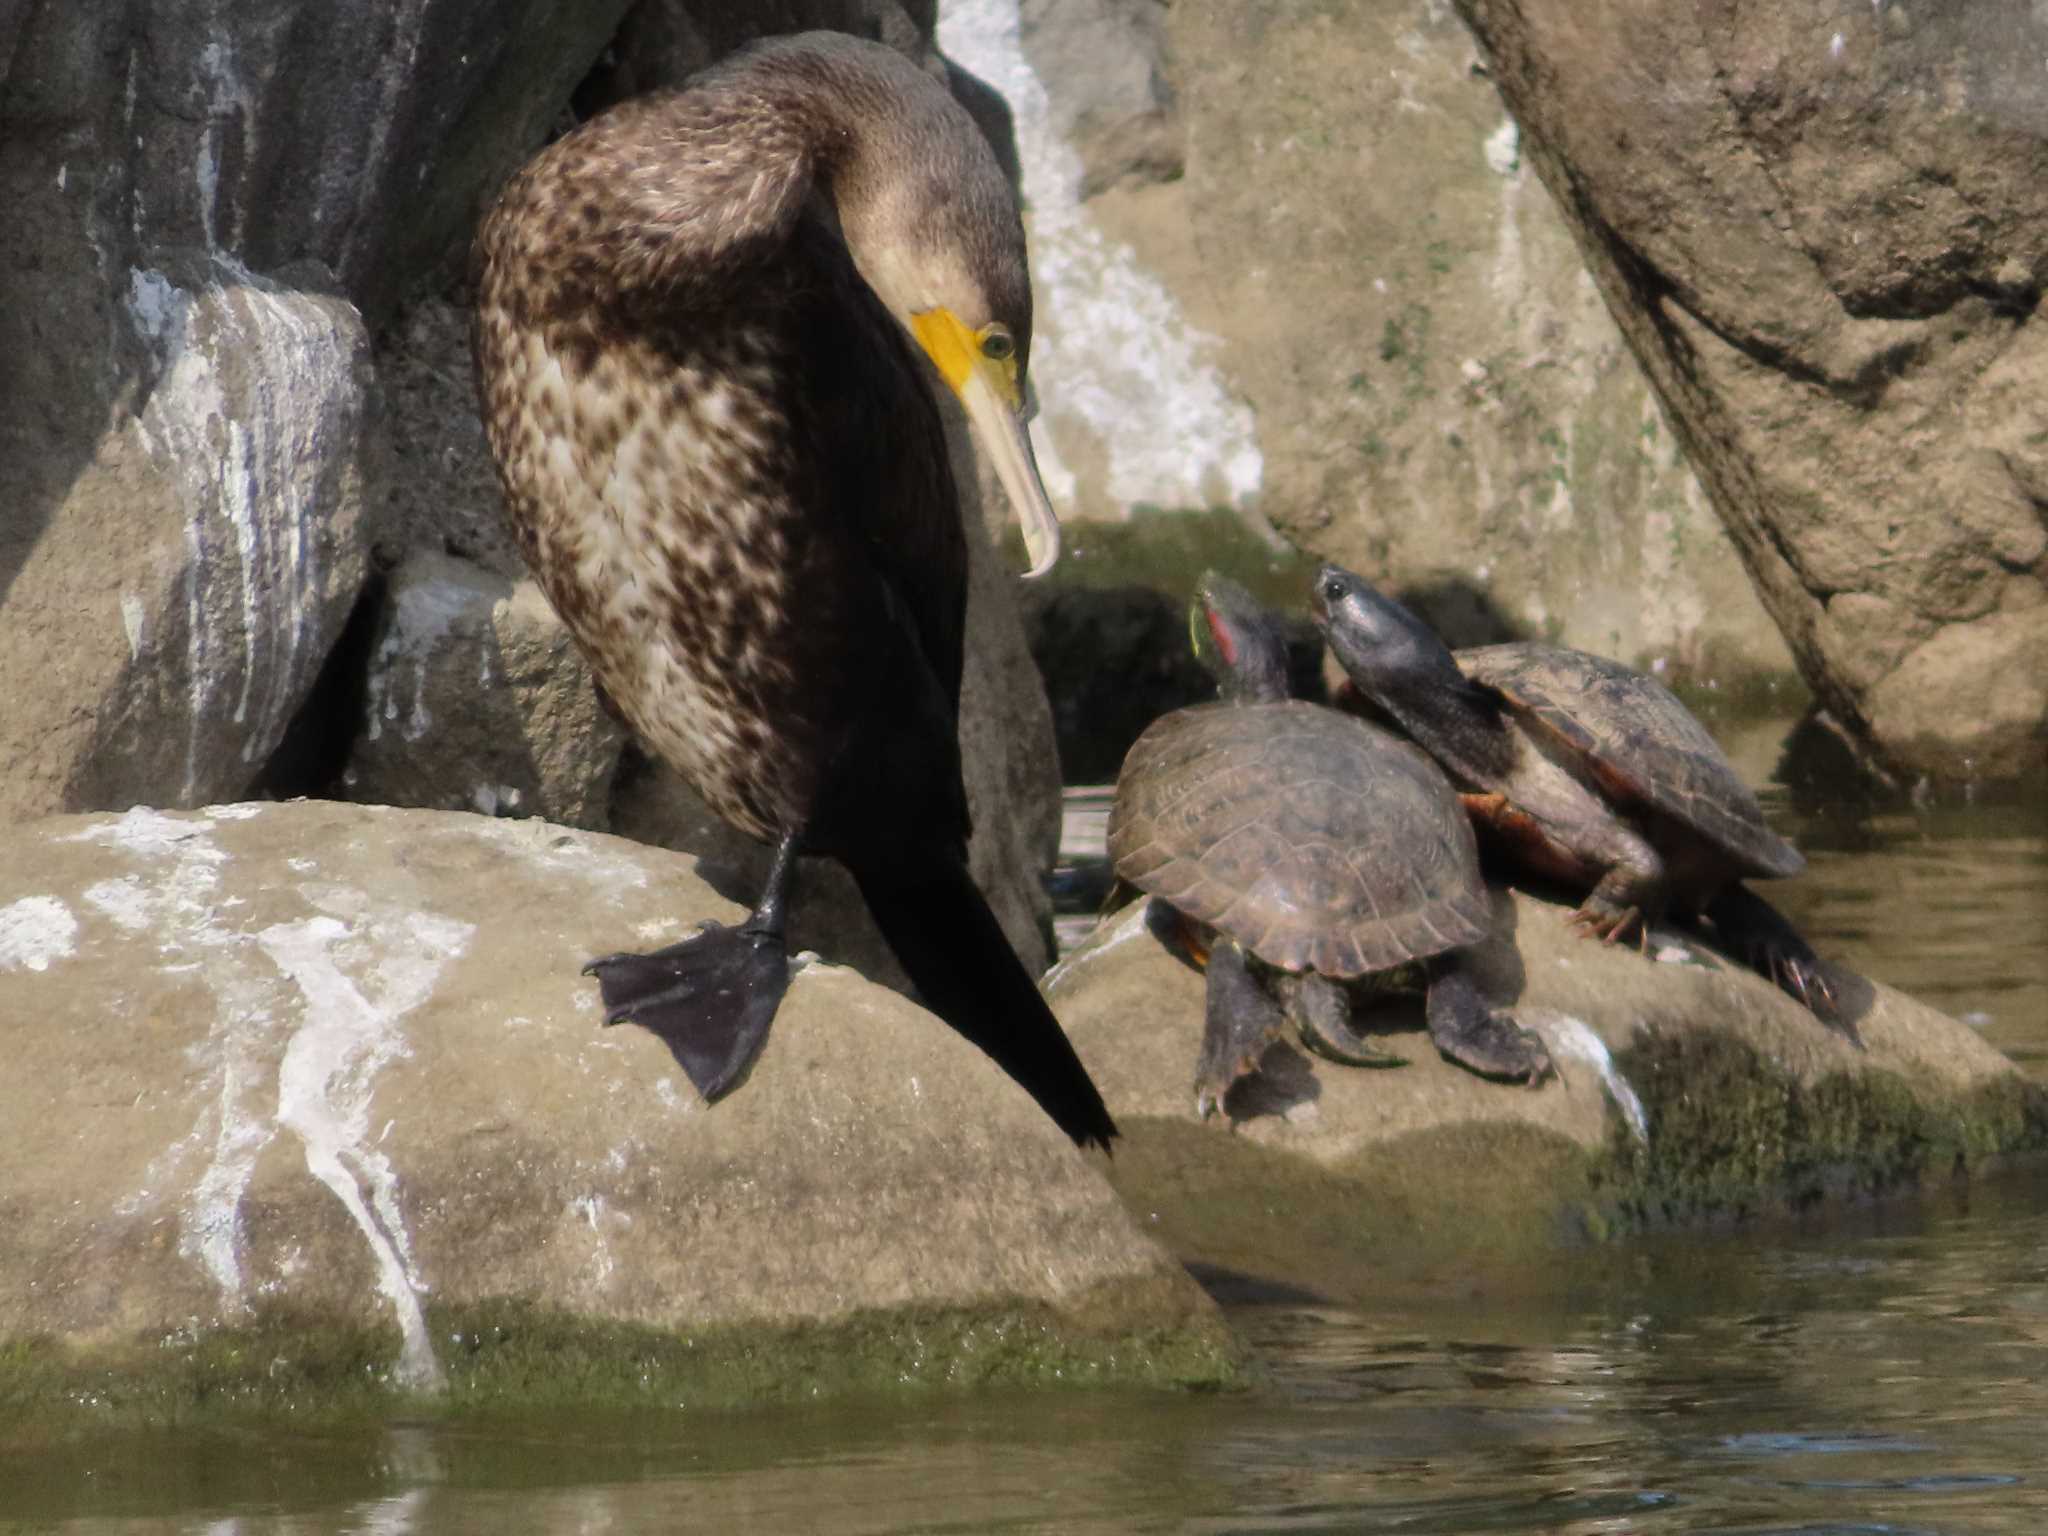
[1382, 647]
[1237, 641]
[1389, 653]
[1399, 663]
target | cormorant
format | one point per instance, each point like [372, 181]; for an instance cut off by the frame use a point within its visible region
[698, 326]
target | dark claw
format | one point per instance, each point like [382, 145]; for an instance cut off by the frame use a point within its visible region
[1608, 927]
[1468, 1030]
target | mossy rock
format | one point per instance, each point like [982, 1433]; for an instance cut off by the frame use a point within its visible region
[1688, 1090]
[513, 1359]
[1739, 1136]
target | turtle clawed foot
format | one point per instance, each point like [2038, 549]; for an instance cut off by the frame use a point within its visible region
[1801, 982]
[1596, 920]
[1774, 949]
[1240, 1022]
[1503, 1050]
[1805, 980]
[1209, 1103]
[1481, 1038]
[1213, 1086]
[1322, 1014]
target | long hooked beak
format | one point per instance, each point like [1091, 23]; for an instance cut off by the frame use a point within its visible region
[989, 392]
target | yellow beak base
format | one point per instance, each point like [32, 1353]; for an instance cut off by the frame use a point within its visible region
[992, 395]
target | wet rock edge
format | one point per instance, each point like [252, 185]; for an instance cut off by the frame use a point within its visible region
[1745, 1139]
[512, 1357]
[1510, 1209]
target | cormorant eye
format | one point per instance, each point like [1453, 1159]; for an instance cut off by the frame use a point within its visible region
[1333, 590]
[997, 345]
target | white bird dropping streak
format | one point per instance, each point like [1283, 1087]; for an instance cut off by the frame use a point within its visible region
[328, 1073]
[1568, 1036]
[1112, 348]
[34, 931]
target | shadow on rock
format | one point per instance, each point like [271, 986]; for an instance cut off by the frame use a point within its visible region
[1463, 612]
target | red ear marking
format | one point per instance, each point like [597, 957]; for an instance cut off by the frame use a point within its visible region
[1221, 632]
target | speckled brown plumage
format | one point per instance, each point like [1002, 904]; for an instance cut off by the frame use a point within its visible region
[722, 457]
[691, 459]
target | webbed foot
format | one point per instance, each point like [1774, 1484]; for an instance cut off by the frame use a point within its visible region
[710, 998]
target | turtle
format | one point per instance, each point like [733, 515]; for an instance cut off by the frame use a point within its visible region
[1308, 848]
[1578, 769]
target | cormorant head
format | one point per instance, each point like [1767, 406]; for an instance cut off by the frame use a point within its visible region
[979, 338]
[933, 225]
[1237, 641]
[1386, 650]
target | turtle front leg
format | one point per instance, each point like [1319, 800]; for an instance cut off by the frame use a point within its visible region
[1240, 1020]
[1477, 1036]
[1321, 1011]
[1629, 896]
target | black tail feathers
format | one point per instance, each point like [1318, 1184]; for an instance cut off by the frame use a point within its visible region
[943, 932]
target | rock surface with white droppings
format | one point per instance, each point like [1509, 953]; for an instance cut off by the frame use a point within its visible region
[338, 1060]
[477, 699]
[205, 201]
[35, 931]
[169, 623]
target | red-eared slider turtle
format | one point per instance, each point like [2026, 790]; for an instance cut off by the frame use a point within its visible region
[1315, 848]
[1585, 771]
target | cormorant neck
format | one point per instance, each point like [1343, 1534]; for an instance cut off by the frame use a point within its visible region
[746, 145]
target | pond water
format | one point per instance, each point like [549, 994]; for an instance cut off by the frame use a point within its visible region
[1886, 1376]
[1884, 1372]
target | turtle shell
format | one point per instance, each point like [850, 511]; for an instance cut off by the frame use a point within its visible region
[1641, 745]
[1318, 842]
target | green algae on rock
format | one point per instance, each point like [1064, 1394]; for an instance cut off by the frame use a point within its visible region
[513, 1358]
[1740, 1136]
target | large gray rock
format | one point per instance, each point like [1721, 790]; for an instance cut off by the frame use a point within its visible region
[182, 398]
[1104, 67]
[1359, 254]
[336, 1063]
[1687, 1087]
[477, 700]
[163, 627]
[279, 132]
[437, 485]
[1826, 238]
[1442, 397]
